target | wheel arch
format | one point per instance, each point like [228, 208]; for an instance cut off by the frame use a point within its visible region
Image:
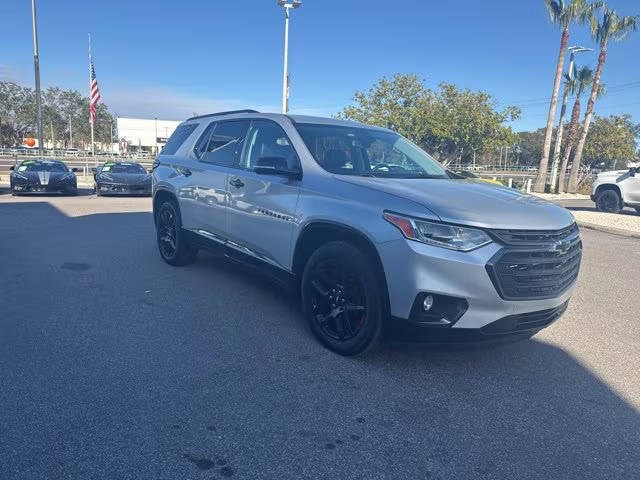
[161, 196]
[318, 233]
[609, 186]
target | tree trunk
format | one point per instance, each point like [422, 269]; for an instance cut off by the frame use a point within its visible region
[556, 150]
[575, 168]
[571, 141]
[541, 179]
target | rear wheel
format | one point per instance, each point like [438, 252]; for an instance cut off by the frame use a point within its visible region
[609, 201]
[172, 243]
[342, 298]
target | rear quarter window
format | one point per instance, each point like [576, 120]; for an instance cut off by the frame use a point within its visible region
[178, 137]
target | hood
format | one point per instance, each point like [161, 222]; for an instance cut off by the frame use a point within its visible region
[123, 178]
[613, 174]
[472, 202]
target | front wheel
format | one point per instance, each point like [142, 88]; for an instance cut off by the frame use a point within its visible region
[342, 298]
[609, 201]
[172, 244]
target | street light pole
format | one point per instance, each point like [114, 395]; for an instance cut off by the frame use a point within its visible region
[565, 100]
[36, 68]
[287, 4]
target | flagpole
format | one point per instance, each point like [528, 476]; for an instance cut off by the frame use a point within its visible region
[90, 117]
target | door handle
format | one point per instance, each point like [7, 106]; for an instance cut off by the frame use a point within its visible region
[183, 171]
[236, 182]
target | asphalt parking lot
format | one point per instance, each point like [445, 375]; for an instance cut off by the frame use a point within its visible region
[115, 365]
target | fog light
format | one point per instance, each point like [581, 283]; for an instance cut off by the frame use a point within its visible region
[427, 303]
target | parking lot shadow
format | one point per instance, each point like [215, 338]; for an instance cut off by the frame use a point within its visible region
[116, 365]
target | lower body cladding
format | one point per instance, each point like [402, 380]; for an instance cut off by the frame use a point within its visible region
[442, 295]
[123, 189]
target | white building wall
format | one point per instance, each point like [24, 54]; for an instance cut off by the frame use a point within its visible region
[142, 132]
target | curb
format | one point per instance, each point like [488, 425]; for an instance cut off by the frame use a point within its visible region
[610, 230]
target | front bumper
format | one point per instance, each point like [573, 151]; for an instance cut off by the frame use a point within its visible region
[123, 189]
[412, 268]
[23, 188]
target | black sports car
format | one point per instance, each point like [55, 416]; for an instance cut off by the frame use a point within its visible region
[122, 178]
[43, 176]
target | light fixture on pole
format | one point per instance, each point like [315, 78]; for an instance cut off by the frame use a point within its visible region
[287, 5]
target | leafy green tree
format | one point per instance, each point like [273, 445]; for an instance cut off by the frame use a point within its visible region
[448, 122]
[612, 140]
[563, 14]
[610, 27]
[59, 109]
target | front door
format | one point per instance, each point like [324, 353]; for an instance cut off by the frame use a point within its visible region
[218, 150]
[261, 208]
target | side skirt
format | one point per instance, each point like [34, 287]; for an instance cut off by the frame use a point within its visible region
[285, 279]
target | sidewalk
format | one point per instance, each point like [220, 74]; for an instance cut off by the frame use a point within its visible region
[625, 223]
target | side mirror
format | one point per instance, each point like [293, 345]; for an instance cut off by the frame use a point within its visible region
[94, 169]
[633, 171]
[75, 169]
[12, 167]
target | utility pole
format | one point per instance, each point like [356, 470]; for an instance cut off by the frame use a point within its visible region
[560, 132]
[70, 133]
[53, 138]
[156, 120]
[36, 68]
[110, 137]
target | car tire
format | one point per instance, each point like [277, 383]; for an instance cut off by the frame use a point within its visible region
[638, 210]
[609, 201]
[342, 299]
[173, 246]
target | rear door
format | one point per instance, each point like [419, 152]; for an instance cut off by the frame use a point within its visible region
[261, 208]
[217, 151]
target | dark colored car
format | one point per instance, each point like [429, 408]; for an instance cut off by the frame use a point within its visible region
[43, 176]
[122, 178]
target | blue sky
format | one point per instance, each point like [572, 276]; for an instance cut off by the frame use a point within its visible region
[173, 59]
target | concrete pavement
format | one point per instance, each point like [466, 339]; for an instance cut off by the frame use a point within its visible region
[116, 365]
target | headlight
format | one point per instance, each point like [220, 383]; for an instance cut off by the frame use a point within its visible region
[453, 237]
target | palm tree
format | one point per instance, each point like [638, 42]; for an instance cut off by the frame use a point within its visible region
[611, 27]
[575, 86]
[562, 13]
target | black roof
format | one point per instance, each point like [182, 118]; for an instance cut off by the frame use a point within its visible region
[223, 113]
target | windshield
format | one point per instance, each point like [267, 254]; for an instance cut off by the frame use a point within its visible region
[37, 166]
[368, 152]
[123, 168]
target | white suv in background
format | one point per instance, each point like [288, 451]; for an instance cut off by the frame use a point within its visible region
[612, 191]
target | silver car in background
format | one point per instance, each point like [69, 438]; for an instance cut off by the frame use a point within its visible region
[377, 236]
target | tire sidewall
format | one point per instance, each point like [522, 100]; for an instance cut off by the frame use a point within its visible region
[176, 213]
[348, 254]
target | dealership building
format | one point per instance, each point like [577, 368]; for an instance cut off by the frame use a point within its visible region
[142, 134]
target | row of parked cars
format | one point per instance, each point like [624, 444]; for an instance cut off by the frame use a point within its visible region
[46, 176]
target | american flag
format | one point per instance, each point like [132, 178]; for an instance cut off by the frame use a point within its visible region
[95, 93]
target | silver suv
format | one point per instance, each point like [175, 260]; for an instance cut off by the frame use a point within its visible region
[376, 235]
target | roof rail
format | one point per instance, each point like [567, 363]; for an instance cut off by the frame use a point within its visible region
[247, 110]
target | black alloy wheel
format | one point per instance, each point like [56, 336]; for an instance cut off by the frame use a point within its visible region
[341, 298]
[173, 246]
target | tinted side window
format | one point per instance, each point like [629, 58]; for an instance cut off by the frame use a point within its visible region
[267, 139]
[203, 141]
[177, 138]
[225, 143]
